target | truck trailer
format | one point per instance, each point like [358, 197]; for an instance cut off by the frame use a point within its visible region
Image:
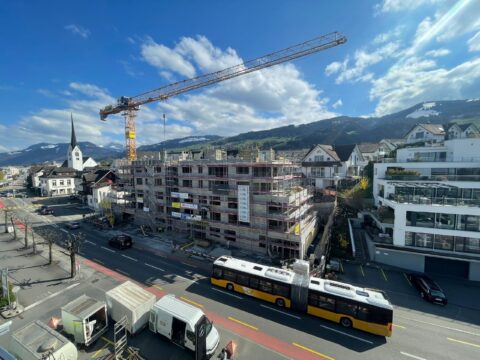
[85, 319]
[132, 301]
[177, 321]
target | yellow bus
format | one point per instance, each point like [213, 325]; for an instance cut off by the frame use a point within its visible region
[348, 305]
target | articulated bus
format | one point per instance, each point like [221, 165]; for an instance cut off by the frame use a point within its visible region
[348, 305]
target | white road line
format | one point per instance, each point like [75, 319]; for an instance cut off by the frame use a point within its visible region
[104, 248]
[184, 263]
[227, 293]
[441, 326]
[154, 267]
[412, 356]
[346, 334]
[184, 278]
[130, 258]
[280, 311]
[89, 242]
[50, 296]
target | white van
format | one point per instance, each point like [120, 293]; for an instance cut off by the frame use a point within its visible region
[176, 320]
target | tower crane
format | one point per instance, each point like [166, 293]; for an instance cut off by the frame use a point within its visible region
[128, 106]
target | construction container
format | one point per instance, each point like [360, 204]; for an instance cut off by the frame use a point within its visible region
[37, 341]
[85, 319]
[132, 301]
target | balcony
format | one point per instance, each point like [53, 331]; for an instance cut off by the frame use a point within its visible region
[442, 201]
[433, 177]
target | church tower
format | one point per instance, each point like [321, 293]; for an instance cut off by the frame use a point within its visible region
[75, 159]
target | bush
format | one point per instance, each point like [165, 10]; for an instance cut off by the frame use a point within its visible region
[4, 300]
[402, 172]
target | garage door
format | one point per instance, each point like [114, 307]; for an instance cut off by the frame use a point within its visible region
[446, 267]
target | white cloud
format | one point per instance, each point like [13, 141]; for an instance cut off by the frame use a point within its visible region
[438, 52]
[415, 80]
[46, 93]
[474, 42]
[389, 35]
[78, 30]
[335, 67]
[162, 57]
[387, 6]
[337, 104]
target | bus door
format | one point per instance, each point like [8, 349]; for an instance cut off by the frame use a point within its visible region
[178, 331]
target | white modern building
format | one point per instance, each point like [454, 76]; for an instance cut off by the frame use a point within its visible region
[432, 192]
[58, 182]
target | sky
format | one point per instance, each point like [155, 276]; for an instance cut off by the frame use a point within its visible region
[62, 57]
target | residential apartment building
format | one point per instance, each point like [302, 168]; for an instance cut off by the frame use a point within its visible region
[58, 182]
[258, 205]
[432, 192]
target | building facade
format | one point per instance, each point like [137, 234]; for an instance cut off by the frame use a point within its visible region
[258, 205]
[433, 195]
[58, 182]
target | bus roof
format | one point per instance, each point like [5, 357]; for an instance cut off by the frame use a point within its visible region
[285, 276]
[364, 295]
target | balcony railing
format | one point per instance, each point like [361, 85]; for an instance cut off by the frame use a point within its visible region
[443, 201]
[433, 177]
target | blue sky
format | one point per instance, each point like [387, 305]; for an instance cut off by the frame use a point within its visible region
[59, 57]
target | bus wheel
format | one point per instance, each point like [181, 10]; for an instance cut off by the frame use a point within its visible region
[346, 322]
[280, 302]
[230, 287]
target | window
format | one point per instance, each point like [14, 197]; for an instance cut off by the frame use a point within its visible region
[158, 169]
[420, 219]
[254, 282]
[243, 170]
[318, 158]
[363, 313]
[326, 303]
[191, 336]
[215, 216]
[200, 183]
[54, 183]
[232, 205]
[346, 308]
[262, 171]
[265, 285]
[217, 272]
[69, 182]
[445, 221]
[242, 279]
[232, 219]
[409, 236]
[313, 299]
[187, 183]
[471, 245]
[229, 275]
[158, 181]
[139, 181]
[214, 230]
[419, 135]
[318, 171]
[281, 289]
[200, 169]
[186, 169]
[423, 240]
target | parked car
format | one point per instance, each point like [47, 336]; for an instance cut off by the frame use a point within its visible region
[121, 242]
[429, 289]
[73, 225]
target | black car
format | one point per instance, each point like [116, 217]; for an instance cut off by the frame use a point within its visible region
[121, 242]
[429, 289]
[46, 211]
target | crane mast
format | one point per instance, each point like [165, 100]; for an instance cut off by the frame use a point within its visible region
[128, 106]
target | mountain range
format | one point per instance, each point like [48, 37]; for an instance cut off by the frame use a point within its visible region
[338, 130]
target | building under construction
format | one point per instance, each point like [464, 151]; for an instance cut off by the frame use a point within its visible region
[247, 199]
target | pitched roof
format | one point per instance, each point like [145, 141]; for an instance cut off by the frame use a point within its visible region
[436, 129]
[344, 151]
[95, 176]
[330, 151]
[368, 147]
[59, 172]
[462, 127]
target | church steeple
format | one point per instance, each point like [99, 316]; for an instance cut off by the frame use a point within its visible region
[73, 141]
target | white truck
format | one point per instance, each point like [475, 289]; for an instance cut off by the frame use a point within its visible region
[177, 321]
[132, 301]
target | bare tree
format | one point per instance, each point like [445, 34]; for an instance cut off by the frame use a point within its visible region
[73, 245]
[14, 228]
[51, 237]
[27, 224]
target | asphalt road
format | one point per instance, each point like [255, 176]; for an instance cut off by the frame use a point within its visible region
[261, 327]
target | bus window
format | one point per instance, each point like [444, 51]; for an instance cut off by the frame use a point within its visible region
[265, 285]
[363, 313]
[281, 289]
[254, 283]
[326, 303]
[346, 308]
[242, 279]
[312, 299]
[217, 272]
[229, 275]
[381, 316]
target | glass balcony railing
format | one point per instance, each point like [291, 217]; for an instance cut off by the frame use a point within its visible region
[433, 177]
[443, 201]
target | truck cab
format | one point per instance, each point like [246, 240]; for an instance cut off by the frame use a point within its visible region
[177, 321]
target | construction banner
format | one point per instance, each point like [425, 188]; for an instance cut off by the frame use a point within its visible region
[176, 205]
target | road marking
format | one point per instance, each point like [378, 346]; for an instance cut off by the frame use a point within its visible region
[280, 311]
[65, 231]
[227, 293]
[191, 301]
[312, 351]
[242, 323]
[464, 342]
[98, 261]
[107, 340]
[383, 273]
[361, 268]
[193, 266]
[440, 326]
[130, 258]
[50, 296]
[346, 334]
[406, 277]
[154, 267]
[89, 242]
[399, 326]
[186, 279]
[412, 356]
[105, 248]
[122, 272]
